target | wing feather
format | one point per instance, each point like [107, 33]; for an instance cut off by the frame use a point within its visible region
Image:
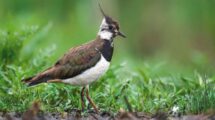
[74, 62]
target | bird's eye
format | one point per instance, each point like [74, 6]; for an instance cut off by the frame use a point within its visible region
[111, 27]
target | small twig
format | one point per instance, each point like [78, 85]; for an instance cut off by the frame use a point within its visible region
[128, 104]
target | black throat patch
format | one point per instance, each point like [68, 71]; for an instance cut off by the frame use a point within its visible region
[107, 50]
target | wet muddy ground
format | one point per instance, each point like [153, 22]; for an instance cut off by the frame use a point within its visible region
[34, 113]
[102, 116]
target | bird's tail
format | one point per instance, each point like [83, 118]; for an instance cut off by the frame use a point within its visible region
[31, 81]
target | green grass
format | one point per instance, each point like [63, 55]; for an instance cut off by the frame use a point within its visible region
[150, 86]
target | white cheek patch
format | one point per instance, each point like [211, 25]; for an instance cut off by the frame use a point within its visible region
[105, 35]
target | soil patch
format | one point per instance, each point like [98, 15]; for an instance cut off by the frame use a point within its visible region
[34, 113]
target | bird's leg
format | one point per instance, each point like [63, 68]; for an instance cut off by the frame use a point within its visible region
[82, 99]
[90, 101]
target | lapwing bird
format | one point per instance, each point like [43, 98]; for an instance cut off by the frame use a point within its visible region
[83, 64]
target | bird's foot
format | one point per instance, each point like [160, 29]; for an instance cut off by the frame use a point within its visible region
[92, 110]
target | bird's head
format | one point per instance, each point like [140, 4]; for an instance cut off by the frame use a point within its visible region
[109, 28]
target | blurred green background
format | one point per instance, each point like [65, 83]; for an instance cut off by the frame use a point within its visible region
[167, 57]
[180, 30]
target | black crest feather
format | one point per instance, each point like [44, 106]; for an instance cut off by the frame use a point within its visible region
[103, 13]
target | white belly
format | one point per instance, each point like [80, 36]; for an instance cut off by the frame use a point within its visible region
[90, 75]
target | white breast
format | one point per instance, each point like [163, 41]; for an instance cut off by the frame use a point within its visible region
[91, 74]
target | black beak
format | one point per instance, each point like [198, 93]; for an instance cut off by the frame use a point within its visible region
[121, 34]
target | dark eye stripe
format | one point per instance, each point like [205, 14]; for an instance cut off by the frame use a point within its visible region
[111, 27]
